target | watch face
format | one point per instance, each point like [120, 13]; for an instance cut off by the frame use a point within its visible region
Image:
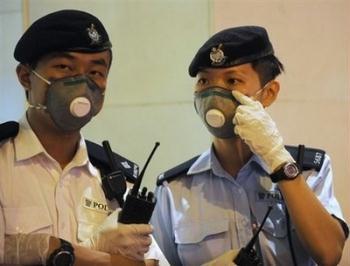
[291, 170]
[63, 258]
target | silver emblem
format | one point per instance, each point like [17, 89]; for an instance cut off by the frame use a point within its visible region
[93, 34]
[217, 56]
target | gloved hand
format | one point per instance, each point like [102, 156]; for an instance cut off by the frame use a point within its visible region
[254, 125]
[130, 240]
[225, 259]
[26, 249]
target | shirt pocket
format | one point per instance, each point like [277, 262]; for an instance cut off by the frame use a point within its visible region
[194, 232]
[207, 239]
[88, 221]
[27, 220]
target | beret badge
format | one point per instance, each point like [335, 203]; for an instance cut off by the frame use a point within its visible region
[93, 34]
[217, 56]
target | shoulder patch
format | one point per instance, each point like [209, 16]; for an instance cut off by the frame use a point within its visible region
[8, 130]
[313, 158]
[98, 158]
[176, 171]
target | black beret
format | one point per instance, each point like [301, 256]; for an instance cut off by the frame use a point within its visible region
[65, 30]
[231, 47]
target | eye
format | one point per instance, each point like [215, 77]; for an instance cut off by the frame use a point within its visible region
[202, 81]
[97, 73]
[63, 67]
[231, 81]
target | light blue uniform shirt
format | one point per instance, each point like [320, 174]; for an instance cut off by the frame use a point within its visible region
[201, 215]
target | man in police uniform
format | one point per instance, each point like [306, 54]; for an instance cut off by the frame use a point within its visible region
[53, 209]
[211, 205]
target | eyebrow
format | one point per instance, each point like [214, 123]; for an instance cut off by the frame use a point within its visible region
[60, 54]
[67, 55]
[227, 72]
[101, 62]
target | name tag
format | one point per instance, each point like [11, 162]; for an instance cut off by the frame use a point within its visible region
[95, 205]
[269, 196]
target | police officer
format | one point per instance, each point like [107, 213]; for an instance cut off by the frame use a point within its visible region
[51, 199]
[211, 204]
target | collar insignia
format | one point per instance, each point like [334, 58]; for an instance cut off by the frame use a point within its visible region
[217, 56]
[93, 34]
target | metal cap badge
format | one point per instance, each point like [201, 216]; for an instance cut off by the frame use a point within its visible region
[93, 34]
[217, 56]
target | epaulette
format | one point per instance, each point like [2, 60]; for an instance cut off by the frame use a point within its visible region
[176, 171]
[96, 153]
[313, 159]
[99, 159]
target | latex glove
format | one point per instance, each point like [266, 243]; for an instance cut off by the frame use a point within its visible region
[26, 249]
[129, 240]
[254, 125]
[225, 259]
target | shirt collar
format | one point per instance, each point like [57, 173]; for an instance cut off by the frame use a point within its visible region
[208, 161]
[26, 137]
[81, 158]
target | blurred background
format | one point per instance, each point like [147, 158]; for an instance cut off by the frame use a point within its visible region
[150, 94]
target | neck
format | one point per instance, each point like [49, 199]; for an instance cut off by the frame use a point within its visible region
[232, 154]
[61, 145]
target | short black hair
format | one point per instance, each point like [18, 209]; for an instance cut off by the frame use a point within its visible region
[268, 68]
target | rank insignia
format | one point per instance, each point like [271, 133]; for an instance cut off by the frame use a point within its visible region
[93, 34]
[217, 56]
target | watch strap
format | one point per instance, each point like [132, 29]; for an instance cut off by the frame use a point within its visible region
[65, 248]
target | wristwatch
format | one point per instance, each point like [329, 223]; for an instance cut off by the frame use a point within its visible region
[288, 171]
[63, 256]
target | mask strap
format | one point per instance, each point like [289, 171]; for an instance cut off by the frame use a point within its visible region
[259, 91]
[41, 77]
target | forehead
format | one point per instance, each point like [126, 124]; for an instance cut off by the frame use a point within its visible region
[244, 70]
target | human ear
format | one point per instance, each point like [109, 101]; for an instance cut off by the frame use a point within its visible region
[23, 75]
[270, 93]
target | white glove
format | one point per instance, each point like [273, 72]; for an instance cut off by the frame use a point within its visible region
[225, 259]
[129, 240]
[26, 249]
[254, 125]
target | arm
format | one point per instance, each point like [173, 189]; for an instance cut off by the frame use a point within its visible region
[307, 208]
[162, 224]
[320, 233]
[35, 249]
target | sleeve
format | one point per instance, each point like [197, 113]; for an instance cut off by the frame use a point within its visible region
[2, 235]
[162, 223]
[322, 185]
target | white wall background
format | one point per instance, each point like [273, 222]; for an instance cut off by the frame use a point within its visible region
[149, 94]
[11, 96]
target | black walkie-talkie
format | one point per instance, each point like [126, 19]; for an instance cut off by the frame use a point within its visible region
[113, 184]
[247, 255]
[139, 206]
